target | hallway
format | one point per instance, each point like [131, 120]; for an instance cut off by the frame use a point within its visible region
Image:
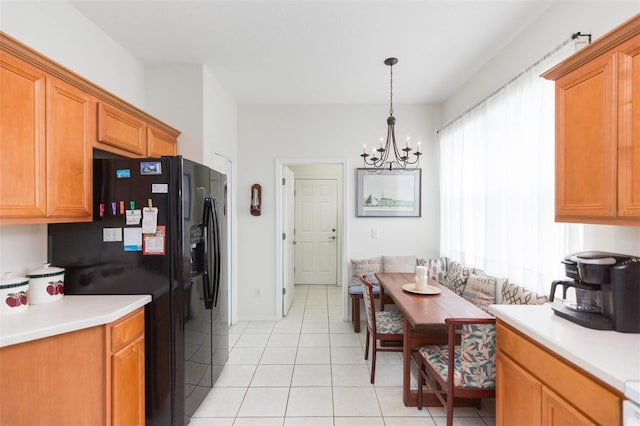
[309, 369]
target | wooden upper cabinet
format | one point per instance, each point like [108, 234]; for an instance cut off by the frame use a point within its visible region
[70, 130]
[50, 121]
[46, 133]
[629, 129]
[119, 130]
[122, 133]
[586, 142]
[598, 130]
[22, 139]
[160, 143]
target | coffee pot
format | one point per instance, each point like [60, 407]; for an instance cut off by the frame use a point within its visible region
[607, 290]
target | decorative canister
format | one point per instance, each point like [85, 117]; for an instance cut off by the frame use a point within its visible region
[13, 294]
[46, 284]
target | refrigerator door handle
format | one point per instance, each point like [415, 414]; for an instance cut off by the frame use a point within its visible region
[217, 253]
[206, 283]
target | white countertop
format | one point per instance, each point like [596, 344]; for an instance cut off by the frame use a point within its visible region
[610, 356]
[71, 313]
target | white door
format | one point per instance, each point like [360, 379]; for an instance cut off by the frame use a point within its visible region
[288, 263]
[316, 231]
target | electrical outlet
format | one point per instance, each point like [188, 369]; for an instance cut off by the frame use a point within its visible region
[258, 292]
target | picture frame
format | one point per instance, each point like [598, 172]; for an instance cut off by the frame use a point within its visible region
[388, 193]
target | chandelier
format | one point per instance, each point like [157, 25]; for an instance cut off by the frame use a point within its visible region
[379, 157]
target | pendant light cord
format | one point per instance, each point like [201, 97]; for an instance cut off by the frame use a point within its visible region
[391, 92]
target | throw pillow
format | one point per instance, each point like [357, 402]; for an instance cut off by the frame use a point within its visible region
[457, 275]
[399, 264]
[437, 268]
[517, 295]
[364, 266]
[500, 282]
[480, 290]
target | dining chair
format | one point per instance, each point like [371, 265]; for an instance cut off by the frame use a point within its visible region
[381, 326]
[473, 367]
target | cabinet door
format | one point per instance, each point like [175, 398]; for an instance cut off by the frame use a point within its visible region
[127, 385]
[160, 143]
[518, 394]
[586, 175]
[118, 129]
[629, 130]
[558, 412]
[70, 125]
[22, 136]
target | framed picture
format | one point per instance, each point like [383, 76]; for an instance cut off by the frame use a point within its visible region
[388, 192]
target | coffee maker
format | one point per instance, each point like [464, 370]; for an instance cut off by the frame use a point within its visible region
[607, 289]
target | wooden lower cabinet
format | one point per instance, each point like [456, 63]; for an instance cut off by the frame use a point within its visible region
[75, 378]
[518, 394]
[127, 370]
[558, 412]
[534, 386]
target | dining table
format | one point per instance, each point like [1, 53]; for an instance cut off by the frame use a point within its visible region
[425, 313]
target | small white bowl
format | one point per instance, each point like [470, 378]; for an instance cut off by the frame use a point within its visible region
[46, 284]
[13, 294]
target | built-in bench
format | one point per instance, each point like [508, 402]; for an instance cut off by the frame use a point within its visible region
[470, 283]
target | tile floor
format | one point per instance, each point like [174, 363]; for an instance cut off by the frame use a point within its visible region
[309, 369]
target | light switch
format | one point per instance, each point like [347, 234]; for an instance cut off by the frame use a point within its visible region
[374, 233]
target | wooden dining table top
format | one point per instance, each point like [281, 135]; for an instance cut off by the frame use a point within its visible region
[427, 310]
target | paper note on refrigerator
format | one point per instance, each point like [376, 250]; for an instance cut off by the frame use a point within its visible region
[149, 220]
[132, 239]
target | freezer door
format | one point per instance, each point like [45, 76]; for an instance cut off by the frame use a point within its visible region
[199, 244]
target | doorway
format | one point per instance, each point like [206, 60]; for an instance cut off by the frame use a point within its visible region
[315, 232]
[314, 245]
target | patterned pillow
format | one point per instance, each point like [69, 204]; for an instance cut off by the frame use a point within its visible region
[399, 264]
[364, 266]
[457, 275]
[517, 295]
[500, 282]
[480, 290]
[437, 268]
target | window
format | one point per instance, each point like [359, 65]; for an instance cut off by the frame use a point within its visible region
[497, 184]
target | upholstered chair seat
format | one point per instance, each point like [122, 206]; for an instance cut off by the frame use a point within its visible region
[471, 363]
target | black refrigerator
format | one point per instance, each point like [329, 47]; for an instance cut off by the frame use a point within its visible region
[159, 228]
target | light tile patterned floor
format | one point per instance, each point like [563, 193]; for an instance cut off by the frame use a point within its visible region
[309, 369]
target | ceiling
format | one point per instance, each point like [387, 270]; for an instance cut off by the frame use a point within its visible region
[319, 52]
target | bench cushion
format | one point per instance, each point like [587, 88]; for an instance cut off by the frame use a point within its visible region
[357, 289]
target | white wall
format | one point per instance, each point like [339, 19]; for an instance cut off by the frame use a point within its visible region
[220, 119]
[550, 30]
[269, 132]
[176, 92]
[57, 30]
[553, 27]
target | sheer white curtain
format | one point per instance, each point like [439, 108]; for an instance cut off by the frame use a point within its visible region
[497, 184]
